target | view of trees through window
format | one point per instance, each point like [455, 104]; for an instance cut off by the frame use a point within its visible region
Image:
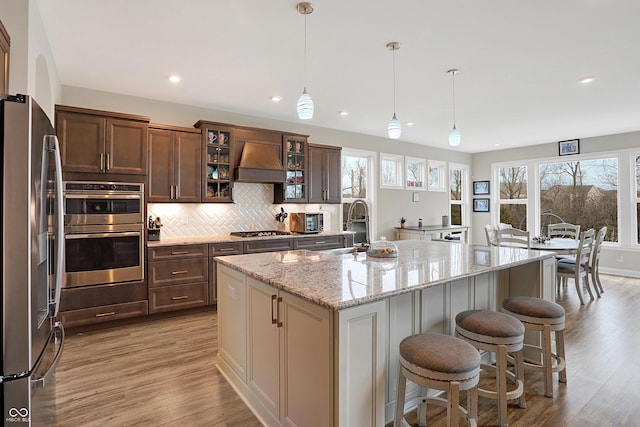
[582, 192]
[513, 196]
[354, 177]
[455, 183]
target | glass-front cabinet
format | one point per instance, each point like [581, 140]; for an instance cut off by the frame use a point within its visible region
[218, 161]
[294, 190]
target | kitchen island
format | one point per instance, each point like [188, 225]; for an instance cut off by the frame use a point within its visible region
[310, 338]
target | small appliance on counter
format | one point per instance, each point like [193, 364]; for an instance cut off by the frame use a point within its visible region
[153, 232]
[305, 222]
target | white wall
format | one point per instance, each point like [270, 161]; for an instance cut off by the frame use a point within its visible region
[623, 258]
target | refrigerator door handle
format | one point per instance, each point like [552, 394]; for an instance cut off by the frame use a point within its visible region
[58, 331]
[53, 146]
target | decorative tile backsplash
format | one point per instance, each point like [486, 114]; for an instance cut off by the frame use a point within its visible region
[253, 210]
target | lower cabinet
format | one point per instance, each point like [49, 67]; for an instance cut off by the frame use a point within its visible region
[178, 277]
[283, 355]
[219, 249]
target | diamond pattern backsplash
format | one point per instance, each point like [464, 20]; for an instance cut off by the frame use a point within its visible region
[253, 210]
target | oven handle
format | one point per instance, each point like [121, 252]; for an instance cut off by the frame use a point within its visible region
[115, 234]
[102, 196]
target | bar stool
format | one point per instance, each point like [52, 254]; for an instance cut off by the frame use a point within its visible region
[439, 362]
[541, 315]
[498, 333]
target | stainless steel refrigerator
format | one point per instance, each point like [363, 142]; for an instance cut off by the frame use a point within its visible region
[32, 262]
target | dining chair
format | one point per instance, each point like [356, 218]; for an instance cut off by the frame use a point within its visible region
[594, 265]
[563, 229]
[490, 234]
[578, 270]
[513, 237]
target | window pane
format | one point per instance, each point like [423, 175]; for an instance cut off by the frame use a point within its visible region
[455, 182]
[456, 214]
[516, 215]
[354, 177]
[638, 221]
[638, 176]
[513, 182]
[583, 192]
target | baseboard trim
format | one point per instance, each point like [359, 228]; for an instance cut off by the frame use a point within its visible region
[620, 272]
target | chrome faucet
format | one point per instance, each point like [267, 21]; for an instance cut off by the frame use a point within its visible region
[350, 218]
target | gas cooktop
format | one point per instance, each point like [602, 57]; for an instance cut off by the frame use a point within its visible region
[259, 233]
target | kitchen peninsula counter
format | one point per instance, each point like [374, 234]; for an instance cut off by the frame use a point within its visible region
[311, 338]
[173, 241]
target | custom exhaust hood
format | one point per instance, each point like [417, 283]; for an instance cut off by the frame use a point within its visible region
[259, 163]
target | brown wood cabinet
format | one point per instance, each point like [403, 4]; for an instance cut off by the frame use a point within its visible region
[101, 303]
[294, 189]
[319, 242]
[218, 161]
[324, 174]
[270, 138]
[101, 142]
[178, 277]
[174, 164]
[270, 245]
[5, 44]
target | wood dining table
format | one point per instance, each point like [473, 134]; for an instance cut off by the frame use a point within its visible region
[562, 246]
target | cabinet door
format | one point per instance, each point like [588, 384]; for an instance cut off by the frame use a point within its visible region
[126, 147]
[263, 375]
[188, 166]
[324, 174]
[161, 164]
[81, 141]
[315, 186]
[332, 169]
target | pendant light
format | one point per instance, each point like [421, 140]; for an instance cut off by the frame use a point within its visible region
[305, 103]
[394, 128]
[454, 135]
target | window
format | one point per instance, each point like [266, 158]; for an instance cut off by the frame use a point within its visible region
[513, 196]
[358, 183]
[437, 176]
[354, 176]
[415, 173]
[637, 197]
[458, 193]
[581, 192]
[391, 171]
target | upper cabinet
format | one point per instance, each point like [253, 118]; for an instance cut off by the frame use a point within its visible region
[101, 142]
[294, 189]
[218, 162]
[5, 43]
[175, 164]
[324, 174]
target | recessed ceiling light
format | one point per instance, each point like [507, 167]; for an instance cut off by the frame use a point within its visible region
[496, 145]
[587, 79]
[343, 113]
[276, 98]
[175, 79]
[410, 123]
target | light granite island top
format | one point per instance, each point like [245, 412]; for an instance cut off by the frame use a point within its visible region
[341, 281]
[311, 339]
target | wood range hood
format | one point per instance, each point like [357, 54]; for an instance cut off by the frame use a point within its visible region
[259, 163]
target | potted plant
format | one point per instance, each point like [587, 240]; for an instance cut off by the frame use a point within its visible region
[402, 221]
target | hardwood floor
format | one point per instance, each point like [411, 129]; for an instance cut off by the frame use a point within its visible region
[162, 373]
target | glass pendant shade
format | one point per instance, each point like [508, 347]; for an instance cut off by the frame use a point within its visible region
[394, 128]
[454, 137]
[305, 106]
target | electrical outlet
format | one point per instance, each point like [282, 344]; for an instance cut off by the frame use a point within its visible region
[620, 258]
[185, 219]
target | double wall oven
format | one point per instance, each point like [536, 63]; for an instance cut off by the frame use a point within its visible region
[104, 232]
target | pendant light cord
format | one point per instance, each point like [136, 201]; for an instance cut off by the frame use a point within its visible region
[453, 79]
[305, 51]
[394, 81]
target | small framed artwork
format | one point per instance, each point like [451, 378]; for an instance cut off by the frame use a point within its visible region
[480, 187]
[481, 205]
[569, 147]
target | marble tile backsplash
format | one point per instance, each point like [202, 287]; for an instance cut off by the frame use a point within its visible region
[253, 209]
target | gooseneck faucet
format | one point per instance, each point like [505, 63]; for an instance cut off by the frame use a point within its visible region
[366, 217]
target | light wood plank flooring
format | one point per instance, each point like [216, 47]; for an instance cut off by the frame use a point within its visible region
[162, 373]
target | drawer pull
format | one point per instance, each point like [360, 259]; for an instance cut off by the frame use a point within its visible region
[179, 272]
[227, 249]
[110, 313]
[180, 297]
[320, 243]
[179, 252]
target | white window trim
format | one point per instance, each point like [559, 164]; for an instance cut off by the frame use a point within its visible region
[423, 166]
[372, 160]
[399, 178]
[496, 201]
[466, 192]
[441, 185]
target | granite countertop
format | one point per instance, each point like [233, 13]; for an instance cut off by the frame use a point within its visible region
[342, 281]
[228, 238]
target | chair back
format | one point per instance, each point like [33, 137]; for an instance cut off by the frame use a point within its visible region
[513, 237]
[585, 247]
[490, 234]
[597, 245]
[563, 229]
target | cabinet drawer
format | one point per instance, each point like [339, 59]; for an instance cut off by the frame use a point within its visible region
[164, 273]
[257, 246]
[101, 295]
[319, 242]
[103, 313]
[178, 297]
[225, 248]
[162, 253]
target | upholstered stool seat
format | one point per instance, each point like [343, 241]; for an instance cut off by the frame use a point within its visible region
[439, 362]
[498, 333]
[545, 316]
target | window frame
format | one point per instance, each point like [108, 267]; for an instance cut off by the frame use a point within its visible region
[398, 183]
[465, 197]
[441, 185]
[423, 172]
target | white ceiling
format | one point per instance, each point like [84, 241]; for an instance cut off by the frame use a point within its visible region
[519, 61]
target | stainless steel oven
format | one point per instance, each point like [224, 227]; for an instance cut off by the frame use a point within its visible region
[104, 233]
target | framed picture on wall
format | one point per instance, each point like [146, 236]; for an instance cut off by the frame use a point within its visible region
[480, 187]
[569, 147]
[481, 205]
